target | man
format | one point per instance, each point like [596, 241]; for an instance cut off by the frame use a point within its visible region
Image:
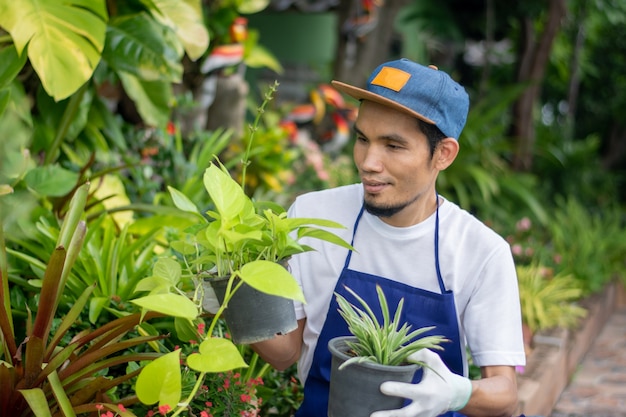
[448, 266]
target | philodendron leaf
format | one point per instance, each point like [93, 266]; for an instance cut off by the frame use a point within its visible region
[216, 355]
[182, 201]
[10, 65]
[225, 192]
[160, 381]
[271, 278]
[152, 98]
[138, 45]
[185, 19]
[65, 39]
[169, 269]
[51, 180]
[174, 305]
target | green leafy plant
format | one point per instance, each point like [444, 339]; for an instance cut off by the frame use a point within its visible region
[386, 343]
[245, 241]
[44, 374]
[548, 300]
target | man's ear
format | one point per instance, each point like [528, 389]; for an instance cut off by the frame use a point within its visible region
[446, 153]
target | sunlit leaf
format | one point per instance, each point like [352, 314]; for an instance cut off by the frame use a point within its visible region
[216, 355]
[65, 39]
[174, 305]
[160, 381]
[271, 278]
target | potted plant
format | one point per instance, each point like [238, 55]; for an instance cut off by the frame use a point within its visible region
[240, 253]
[374, 352]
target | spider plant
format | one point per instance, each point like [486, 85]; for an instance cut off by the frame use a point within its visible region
[386, 343]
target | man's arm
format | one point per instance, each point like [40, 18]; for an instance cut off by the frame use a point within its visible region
[282, 351]
[495, 394]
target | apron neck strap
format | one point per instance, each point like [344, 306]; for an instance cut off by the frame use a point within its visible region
[442, 287]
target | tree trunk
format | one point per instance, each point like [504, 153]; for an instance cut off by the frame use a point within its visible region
[362, 47]
[533, 63]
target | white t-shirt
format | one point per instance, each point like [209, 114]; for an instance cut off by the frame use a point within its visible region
[476, 265]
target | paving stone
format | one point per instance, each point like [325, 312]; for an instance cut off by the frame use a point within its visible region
[598, 387]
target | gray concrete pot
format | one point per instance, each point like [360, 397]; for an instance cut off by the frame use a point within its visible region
[253, 316]
[355, 389]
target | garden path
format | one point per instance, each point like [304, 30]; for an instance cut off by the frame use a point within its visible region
[598, 387]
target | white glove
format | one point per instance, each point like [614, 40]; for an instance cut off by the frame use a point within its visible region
[209, 300]
[439, 391]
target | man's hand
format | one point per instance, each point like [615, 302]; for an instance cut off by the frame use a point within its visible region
[439, 391]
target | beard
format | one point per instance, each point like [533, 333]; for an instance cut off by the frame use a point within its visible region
[386, 211]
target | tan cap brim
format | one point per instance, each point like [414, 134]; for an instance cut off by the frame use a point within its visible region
[361, 94]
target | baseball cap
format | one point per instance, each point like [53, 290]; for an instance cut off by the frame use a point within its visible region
[421, 91]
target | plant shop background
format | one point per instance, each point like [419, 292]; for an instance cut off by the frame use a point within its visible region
[543, 154]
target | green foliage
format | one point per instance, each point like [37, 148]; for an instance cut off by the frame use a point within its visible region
[386, 343]
[591, 245]
[548, 301]
[72, 376]
[480, 179]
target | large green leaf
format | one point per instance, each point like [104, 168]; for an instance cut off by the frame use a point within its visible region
[152, 98]
[216, 355]
[10, 65]
[174, 305]
[226, 193]
[65, 39]
[160, 381]
[184, 17]
[51, 180]
[271, 278]
[138, 45]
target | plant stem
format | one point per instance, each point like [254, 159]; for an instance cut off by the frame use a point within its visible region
[253, 128]
[192, 394]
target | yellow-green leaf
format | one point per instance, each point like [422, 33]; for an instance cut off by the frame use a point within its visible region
[160, 381]
[216, 355]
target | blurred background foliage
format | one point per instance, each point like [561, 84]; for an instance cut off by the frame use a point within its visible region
[135, 96]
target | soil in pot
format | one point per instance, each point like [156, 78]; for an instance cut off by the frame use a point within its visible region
[253, 316]
[355, 389]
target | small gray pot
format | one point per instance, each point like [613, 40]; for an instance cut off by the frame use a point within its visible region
[355, 389]
[253, 316]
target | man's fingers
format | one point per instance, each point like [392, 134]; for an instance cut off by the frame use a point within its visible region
[395, 389]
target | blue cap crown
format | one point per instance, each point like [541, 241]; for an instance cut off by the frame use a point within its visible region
[424, 92]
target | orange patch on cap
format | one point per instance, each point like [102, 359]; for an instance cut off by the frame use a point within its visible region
[391, 78]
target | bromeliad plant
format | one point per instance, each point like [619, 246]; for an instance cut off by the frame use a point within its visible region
[386, 343]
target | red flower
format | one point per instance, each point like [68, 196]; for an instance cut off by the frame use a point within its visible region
[170, 128]
[164, 409]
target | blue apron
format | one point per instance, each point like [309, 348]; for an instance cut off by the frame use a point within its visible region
[421, 308]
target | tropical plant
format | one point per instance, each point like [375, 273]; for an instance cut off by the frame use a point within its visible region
[388, 343]
[44, 373]
[548, 300]
[245, 242]
[591, 244]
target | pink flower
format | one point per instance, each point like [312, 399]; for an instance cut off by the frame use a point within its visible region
[121, 407]
[245, 398]
[99, 407]
[201, 327]
[517, 249]
[204, 414]
[523, 225]
[164, 409]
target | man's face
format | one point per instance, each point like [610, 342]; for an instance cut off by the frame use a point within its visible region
[394, 162]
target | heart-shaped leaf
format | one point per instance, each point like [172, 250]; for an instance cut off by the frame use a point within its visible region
[160, 381]
[216, 355]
